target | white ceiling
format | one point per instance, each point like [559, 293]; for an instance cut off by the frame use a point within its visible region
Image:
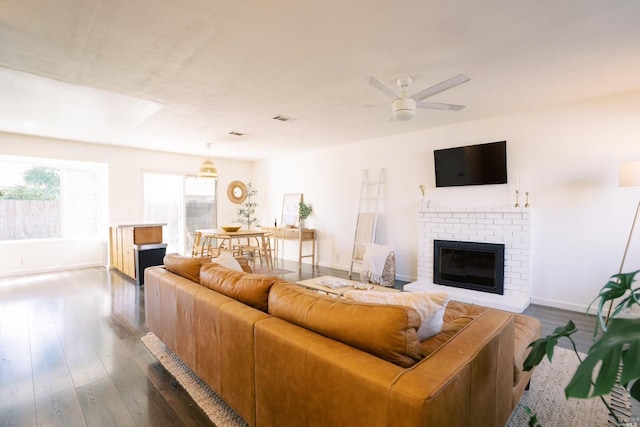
[175, 75]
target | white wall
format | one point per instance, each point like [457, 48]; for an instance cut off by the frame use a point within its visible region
[126, 167]
[567, 157]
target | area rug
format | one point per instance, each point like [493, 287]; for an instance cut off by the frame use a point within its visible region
[545, 397]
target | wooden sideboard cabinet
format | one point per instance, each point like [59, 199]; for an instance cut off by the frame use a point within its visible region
[122, 244]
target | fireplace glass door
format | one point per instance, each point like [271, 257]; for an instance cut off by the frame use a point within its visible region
[469, 265]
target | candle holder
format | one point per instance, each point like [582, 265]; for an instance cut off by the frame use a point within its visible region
[517, 205]
[526, 204]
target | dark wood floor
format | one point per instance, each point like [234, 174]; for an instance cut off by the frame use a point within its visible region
[71, 355]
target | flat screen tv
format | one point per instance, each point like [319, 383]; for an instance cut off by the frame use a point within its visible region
[471, 165]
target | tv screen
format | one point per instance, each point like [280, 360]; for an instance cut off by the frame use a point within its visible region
[471, 165]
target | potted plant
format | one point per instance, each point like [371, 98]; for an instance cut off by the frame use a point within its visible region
[246, 211]
[304, 210]
[615, 350]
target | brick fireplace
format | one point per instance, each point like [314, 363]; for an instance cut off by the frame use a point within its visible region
[508, 226]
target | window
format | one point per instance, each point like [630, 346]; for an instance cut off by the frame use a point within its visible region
[200, 204]
[49, 199]
[184, 203]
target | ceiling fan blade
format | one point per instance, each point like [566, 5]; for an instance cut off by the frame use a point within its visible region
[440, 87]
[375, 82]
[440, 106]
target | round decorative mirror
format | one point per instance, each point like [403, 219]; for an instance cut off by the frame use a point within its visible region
[237, 192]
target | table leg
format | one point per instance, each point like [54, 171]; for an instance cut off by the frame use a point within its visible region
[300, 250]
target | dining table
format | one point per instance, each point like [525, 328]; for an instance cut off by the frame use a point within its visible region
[230, 236]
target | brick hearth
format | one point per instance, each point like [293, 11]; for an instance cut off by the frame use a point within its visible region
[510, 226]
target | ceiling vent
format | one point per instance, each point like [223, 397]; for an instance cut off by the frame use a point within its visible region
[282, 118]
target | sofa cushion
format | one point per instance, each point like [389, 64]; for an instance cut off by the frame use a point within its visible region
[187, 267]
[386, 331]
[429, 305]
[251, 289]
[456, 317]
[449, 330]
[456, 309]
[527, 331]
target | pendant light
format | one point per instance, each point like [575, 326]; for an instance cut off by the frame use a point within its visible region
[208, 169]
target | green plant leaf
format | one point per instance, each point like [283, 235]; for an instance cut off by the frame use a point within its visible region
[619, 344]
[631, 357]
[533, 418]
[635, 390]
[615, 288]
[544, 346]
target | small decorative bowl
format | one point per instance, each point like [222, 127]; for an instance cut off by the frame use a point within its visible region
[231, 228]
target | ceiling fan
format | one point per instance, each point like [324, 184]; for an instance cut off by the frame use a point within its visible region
[404, 106]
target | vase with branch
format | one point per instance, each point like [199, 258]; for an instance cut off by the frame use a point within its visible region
[245, 214]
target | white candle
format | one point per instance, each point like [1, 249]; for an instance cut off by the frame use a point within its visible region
[517, 181]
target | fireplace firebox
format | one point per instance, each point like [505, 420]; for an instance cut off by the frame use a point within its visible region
[469, 265]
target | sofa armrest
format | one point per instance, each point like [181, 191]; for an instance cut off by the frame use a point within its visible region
[468, 381]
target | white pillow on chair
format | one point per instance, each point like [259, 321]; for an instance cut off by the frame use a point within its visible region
[226, 260]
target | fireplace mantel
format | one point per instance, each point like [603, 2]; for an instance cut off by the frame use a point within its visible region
[507, 225]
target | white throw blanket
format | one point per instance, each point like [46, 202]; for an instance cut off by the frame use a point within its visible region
[373, 261]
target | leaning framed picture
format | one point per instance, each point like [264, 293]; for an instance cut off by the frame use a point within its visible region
[290, 205]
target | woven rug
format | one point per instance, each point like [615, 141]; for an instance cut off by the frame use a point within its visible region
[545, 397]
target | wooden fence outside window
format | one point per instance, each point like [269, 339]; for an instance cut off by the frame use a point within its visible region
[30, 219]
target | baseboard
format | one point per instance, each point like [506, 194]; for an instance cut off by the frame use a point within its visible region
[579, 308]
[406, 278]
[337, 267]
[356, 271]
[17, 273]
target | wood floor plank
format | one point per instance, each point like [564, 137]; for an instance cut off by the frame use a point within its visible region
[551, 318]
[55, 395]
[144, 402]
[47, 358]
[16, 412]
[102, 404]
[171, 391]
[17, 403]
[59, 408]
[84, 363]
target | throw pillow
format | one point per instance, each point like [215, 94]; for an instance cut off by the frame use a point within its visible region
[430, 306]
[187, 267]
[251, 289]
[226, 260]
[386, 331]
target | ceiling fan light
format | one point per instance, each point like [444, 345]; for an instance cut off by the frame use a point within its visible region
[207, 170]
[404, 109]
[404, 115]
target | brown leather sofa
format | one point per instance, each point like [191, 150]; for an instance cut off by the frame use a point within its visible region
[281, 355]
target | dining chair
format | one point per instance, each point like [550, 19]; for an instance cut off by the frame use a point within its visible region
[197, 249]
[257, 250]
